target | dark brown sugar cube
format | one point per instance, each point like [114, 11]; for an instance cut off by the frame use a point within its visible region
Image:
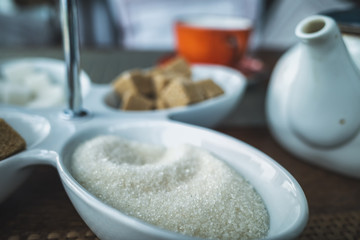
[10, 141]
[132, 101]
[179, 93]
[210, 88]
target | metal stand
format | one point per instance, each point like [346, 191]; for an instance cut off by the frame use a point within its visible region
[69, 22]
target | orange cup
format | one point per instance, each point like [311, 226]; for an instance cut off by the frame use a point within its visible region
[212, 38]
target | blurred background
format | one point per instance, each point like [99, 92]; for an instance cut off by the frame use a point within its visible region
[148, 24]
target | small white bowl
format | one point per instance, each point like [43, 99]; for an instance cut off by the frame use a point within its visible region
[34, 129]
[207, 113]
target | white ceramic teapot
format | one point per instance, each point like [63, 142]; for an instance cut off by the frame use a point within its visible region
[313, 99]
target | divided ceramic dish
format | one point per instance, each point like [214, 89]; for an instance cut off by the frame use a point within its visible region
[208, 113]
[51, 139]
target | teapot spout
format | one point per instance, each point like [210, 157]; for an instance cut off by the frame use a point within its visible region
[324, 102]
[315, 29]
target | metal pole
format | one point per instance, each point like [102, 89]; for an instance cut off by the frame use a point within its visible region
[70, 35]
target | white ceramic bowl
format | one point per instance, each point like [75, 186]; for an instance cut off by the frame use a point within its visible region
[208, 113]
[282, 195]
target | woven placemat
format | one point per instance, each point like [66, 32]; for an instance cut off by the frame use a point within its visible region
[340, 226]
[57, 235]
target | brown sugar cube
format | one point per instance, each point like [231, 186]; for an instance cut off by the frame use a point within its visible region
[179, 93]
[178, 66]
[143, 82]
[210, 88]
[124, 84]
[160, 103]
[10, 141]
[155, 71]
[181, 78]
[159, 82]
[134, 81]
[131, 101]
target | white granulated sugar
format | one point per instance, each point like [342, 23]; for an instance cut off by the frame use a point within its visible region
[184, 189]
[27, 86]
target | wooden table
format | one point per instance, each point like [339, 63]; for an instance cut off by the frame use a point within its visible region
[40, 209]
